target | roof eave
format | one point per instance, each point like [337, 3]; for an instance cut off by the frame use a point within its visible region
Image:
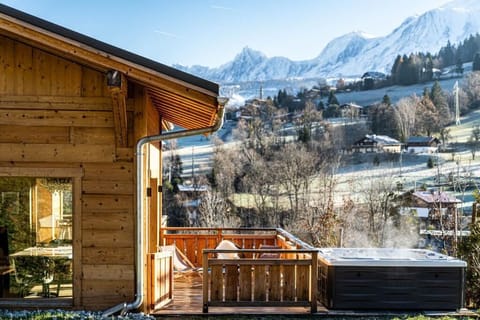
[28, 25]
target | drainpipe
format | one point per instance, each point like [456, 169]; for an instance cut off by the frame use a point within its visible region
[139, 260]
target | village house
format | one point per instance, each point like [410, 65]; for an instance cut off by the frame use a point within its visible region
[351, 111]
[377, 143]
[421, 144]
[430, 204]
[437, 213]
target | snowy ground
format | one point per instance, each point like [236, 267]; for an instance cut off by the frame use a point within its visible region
[395, 93]
[413, 172]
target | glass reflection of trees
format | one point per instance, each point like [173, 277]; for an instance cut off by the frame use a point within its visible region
[35, 212]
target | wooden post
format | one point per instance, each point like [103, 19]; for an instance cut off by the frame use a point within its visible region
[153, 218]
[314, 283]
[206, 278]
[474, 213]
[119, 104]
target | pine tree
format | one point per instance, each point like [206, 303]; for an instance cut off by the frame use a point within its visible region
[447, 54]
[386, 100]
[332, 99]
[428, 74]
[440, 102]
[396, 69]
[476, 62]
[459, 66]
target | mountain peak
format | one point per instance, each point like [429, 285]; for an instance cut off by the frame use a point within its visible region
[462, 5]
[361, 34]
[355, 53]
[250, 53]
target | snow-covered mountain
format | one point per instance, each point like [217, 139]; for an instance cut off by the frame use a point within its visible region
[356, 53]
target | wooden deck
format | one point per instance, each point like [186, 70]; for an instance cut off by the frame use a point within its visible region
[187, 300]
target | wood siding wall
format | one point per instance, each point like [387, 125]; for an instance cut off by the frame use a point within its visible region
[58, 113]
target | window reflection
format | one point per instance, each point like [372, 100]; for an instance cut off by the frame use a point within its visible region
[36, 237]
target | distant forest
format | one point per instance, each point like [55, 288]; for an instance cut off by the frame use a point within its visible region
[420, 67]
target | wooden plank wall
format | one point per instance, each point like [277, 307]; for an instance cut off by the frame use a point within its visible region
[58, 113]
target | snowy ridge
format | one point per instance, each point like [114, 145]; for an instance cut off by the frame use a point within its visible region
[356, 53]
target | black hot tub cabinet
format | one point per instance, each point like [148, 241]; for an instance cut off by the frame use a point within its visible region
[389, 279]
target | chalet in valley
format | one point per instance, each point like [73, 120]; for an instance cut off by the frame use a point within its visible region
[377, 143]
[421, 144]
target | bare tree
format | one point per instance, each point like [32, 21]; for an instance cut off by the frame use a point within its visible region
[445, 136]
[318, 220]
[214, 210]
[406, 116]
[472, 88]
[307, 122]
[474, 141]
[226, 164]
[378, 195]
[373, 218]
[427, 117]
[297, 167]
[262, 180]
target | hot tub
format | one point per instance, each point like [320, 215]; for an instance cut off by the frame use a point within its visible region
[390, 279]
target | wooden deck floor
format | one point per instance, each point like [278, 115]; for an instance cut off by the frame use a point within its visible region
[188, 300]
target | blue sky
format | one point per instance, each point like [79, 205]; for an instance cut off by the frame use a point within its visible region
[212, 32]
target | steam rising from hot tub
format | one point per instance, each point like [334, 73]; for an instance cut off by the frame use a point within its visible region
[401, 232]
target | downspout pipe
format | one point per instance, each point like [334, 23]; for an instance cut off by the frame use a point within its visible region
[124, 308]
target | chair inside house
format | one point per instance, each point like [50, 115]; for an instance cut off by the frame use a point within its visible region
[64, 229]
[63, 276]
[33, 271]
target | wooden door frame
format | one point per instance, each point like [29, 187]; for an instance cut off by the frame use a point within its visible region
[76, 173]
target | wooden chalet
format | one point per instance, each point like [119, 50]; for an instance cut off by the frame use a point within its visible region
[431, 205]
[421, 144]
[80, 128]
[377, 143]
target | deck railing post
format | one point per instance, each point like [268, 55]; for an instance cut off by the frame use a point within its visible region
[314, 282]
[206, 277]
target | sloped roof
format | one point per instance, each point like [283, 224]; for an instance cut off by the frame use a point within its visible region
[383, 140]
[435, 197]
[180, 98]
[351, 105]
[419, 139]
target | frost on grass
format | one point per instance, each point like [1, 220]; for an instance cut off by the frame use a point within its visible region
[69, 315]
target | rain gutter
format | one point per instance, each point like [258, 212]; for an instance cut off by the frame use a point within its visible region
[125, 307]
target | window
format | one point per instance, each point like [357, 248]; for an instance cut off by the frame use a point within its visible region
[36, 237]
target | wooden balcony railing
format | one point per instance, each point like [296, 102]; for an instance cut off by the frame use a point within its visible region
[191, 241]
[275, 268]
[289, 280]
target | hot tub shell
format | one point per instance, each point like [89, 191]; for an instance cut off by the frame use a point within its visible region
[390, 279]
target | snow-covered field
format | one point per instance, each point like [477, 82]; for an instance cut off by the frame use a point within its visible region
[413, 172]
[395, 93]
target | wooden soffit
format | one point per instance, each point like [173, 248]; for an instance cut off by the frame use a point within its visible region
[182, 111]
